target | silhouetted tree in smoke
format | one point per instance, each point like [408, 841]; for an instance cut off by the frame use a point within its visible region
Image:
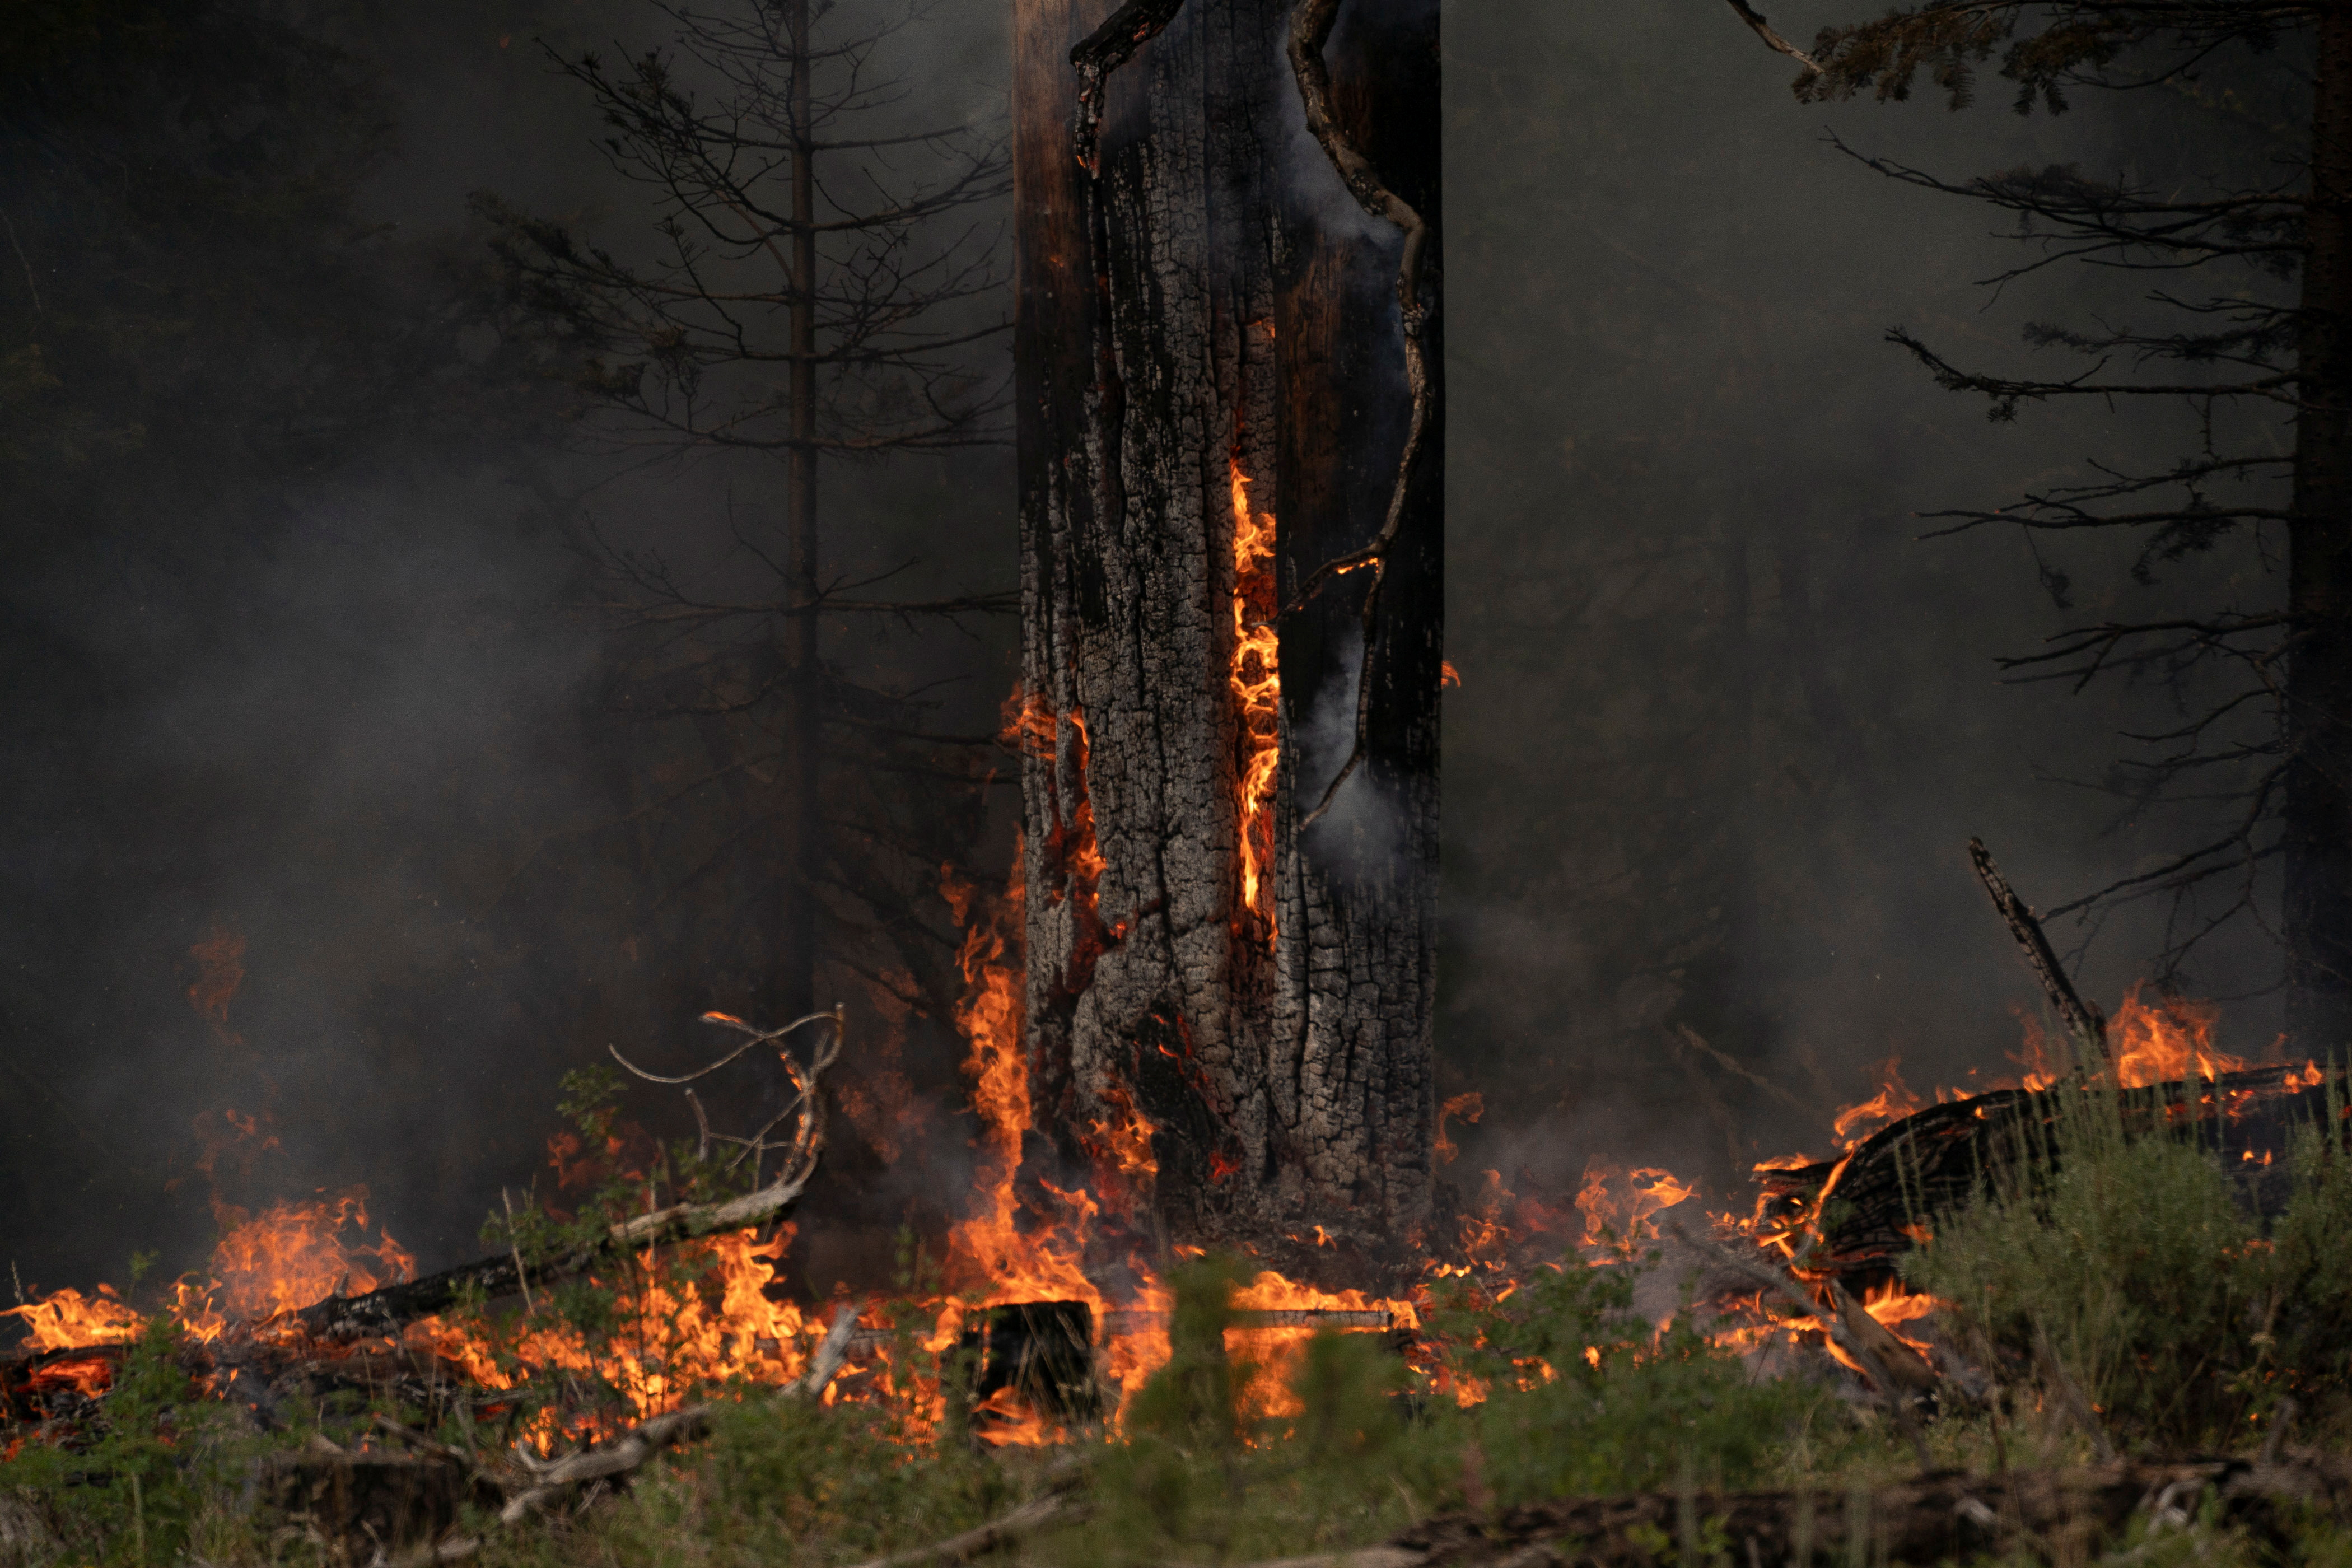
[822, 284]
[2264, 681]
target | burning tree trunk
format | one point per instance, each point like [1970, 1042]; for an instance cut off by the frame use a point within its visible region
[1230, 778]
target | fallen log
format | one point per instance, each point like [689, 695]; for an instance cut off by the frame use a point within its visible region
[1933, 1162]
[355, 1506]
[2051, 1515]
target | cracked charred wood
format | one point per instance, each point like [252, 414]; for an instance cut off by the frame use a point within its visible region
[1208, 345]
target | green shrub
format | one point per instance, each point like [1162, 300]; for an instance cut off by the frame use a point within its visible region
[1583, 1397]
[2120, 1263]
[154, 1476]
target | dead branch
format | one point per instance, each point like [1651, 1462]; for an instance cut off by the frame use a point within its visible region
[1772, 40]
[2070, 1395]
[395, 1307]
[1683, 1035]
[2084, 1020]
[1310, 29]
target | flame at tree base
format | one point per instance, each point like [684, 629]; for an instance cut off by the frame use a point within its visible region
[707, 1314]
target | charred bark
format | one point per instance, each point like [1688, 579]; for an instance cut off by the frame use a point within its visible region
[1205, 314]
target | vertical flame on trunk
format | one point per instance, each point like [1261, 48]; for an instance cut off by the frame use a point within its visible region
[1005, 1250]
[1256, 683]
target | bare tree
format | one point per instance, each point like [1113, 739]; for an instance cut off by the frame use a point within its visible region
[2251, 285]
[823, 283]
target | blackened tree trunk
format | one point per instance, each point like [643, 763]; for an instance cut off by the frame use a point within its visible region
[2318, 806]
[1211, 344]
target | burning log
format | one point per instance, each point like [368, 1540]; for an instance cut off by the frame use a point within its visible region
[1039, 1354]
[1862, 1212]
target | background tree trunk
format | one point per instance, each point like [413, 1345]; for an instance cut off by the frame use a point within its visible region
[1213, 307]
[2318, 808]
[797, 939]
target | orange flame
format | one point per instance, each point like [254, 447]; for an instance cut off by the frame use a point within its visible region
[1256, 683]
[1469, 1107]
[1617, 1204]
[1894, 1101]
[2166, 1043]
[67, 1320]
[291, 1255]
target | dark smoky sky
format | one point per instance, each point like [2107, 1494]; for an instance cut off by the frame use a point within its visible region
[1725, 722]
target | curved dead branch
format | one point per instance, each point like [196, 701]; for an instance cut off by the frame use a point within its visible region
[1772, 40]
[390, 1309]
[1310, 29]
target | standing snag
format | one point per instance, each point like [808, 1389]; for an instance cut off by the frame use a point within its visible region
[1230, 421]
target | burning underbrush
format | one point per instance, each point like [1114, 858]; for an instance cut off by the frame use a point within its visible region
[1042, 1317]
[2132, 1227]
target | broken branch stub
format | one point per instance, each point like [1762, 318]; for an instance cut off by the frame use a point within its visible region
[2083, 1020]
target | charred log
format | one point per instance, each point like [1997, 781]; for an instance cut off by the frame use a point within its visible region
[1861, 1212]
[356, 1506]
[1041, 1353]
[2041, 1515]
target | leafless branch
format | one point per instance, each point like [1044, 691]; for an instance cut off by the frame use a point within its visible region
[1772, 40]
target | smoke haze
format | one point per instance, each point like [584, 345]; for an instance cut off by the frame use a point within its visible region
[1726, 722]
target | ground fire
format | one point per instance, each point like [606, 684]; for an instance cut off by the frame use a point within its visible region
[731, 1323]
[1049, 1307]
